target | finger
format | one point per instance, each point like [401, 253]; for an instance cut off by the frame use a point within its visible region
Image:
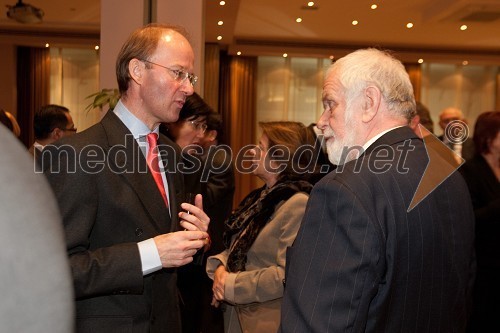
[194, 211]
[188, 226]
[198, 201]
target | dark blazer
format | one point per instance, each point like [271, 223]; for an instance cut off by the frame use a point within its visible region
[362, 263]
[109, 202]
[484, 188]
[217, 181]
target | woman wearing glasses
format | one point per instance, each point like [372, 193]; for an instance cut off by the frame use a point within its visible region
[249, 275]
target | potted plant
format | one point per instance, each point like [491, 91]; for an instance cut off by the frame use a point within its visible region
[102, 98]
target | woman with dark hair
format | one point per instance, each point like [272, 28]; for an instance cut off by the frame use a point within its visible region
[249, 274]
[482, 174]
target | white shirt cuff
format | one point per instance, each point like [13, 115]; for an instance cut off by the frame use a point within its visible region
[150, 258]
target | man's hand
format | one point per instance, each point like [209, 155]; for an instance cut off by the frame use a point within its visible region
[194, 218]
[219, 283]
[178, 248]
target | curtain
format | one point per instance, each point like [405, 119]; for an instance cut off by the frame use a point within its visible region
[211, 77]
[33, 86]
[237, 106]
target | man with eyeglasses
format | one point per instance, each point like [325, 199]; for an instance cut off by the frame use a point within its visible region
[51, 123]
[121, 195]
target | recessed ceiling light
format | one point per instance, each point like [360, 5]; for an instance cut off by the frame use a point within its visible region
[298, 20]
[47, 45]
[374, 6]
[465, 62]
[331, 57]
[222, 3]
[463, 27]
[219, 37]
[220, 23]
[96, 47]
[285, 55]
[409, 25]
[420, 60]
[355, 22]
[310, 3]
[238, 53]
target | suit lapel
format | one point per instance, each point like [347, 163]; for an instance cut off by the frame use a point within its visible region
[126, 159]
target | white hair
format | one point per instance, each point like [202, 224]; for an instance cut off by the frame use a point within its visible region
[366, 67]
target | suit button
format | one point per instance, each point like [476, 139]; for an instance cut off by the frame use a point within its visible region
[138, 232]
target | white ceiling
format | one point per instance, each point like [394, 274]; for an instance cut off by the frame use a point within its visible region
[269, 27]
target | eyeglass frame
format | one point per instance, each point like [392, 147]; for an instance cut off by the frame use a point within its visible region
[179, 75]
[199, 126]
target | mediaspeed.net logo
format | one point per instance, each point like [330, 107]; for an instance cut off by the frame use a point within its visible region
[443, 161]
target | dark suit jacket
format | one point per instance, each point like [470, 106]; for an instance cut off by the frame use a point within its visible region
[362, 263]
[484, 188]
[109, 202]
[218, 190]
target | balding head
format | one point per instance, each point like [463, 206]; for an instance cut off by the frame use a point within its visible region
[448, 115]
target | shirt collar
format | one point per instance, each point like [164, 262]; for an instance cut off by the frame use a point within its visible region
[135, 126]
[376, 137]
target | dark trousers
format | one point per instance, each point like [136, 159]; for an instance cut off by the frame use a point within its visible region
[196, 295]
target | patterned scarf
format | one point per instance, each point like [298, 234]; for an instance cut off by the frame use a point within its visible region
[253, 213]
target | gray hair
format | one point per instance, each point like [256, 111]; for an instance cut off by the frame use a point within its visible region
[366, 67]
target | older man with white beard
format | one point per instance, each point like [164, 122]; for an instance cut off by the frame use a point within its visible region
[363, 261]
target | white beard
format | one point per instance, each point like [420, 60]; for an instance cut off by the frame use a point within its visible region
[341, 151]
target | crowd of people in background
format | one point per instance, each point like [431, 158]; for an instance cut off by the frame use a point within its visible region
[337, 248]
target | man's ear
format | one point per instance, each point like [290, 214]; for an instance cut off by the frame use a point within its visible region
[414, 122]
[372, 98]
[56, 133]
[136, 70]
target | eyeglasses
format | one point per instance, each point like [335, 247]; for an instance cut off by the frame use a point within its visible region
[198, 126]
[179, 75]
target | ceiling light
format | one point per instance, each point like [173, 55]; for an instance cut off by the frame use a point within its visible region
[96, 47]
[220, 23]
[465, 62]
[374, 6]
[331, 57]
[47, 44]
[222, 3]
[298, 20]
[285, 55]
[310, 3]
[355, 22]
[409, 25]
[219, 37]
[463, 27]
[25, 13]
[238, 53]
[420, 60]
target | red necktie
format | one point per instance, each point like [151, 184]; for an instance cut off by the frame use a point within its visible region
[152, 160]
